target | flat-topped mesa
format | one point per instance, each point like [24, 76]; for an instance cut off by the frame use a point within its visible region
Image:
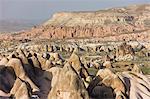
[101, 17]
[86, 24]
[87, 19]
[101, 23]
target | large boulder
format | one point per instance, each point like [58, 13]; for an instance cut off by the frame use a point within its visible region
[42, 61]
[7, 79]
[12, 55]
[56, 56]
[136, 69]
[22, 56]
[127, 57]
[126, 85]
[17, 65]
[34, 61]
[125, 52]
[107, 64]
[137, 85]
[48, 64]
[110, 79]
[66, 84]
[102, 92]
[27, 66]
[75, 61]
[21, 90]
[4, 61]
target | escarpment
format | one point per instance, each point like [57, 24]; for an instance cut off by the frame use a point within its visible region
[88, 24]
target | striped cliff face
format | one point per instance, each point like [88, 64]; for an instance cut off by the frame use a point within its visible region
[104, 23]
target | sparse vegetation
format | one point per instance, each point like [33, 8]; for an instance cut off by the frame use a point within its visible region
[146, 70]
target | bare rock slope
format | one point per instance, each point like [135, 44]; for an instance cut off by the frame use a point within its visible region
[115, 22]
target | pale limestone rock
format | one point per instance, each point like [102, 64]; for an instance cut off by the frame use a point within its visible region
[74, 60]
[16, 64]
[68, 85]
[4, 61]
[136, 69]
[21, 90]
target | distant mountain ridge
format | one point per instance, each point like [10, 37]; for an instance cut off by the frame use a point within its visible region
[98, 18]
[116, 22]
[9, 25]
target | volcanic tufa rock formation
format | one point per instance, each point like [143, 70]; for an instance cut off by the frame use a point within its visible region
[35, 75]
[107, 57]
[121, 83]
[123, 23]
[75, 61]
[124, 52]
[67, 85]
[21, 89]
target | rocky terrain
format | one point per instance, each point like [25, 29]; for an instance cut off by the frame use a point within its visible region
[104, 23]
[79, 55]
[111, 70]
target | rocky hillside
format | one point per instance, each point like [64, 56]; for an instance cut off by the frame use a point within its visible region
[132, 14]
[113, 64]
[104, 23]
[72, 71]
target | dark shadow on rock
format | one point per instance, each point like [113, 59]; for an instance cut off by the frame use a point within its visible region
[98, 91]
[102, 92]
[7, 78]
[43, 82]
[92, 84]
[127, 86]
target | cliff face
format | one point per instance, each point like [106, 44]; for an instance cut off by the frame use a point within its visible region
[103, 23]
[131, 14]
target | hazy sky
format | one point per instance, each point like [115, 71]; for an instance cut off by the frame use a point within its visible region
[43, 9]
